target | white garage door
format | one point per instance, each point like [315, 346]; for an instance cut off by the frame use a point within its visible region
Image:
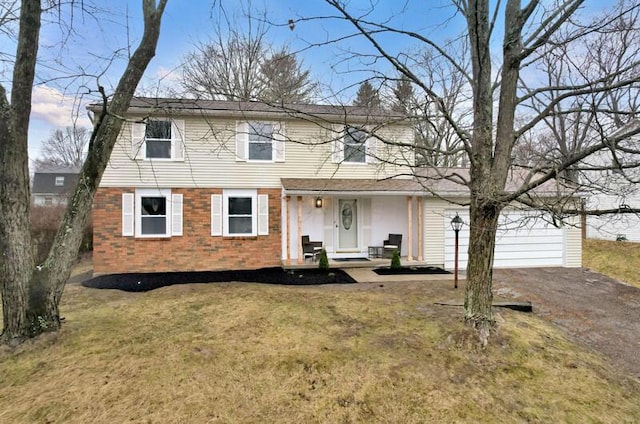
[522, 240]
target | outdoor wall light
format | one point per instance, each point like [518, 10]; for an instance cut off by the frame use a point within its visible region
[318, 202]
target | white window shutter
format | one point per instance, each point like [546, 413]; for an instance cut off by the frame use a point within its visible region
[127, 214]
[216, 214]
[138, 130]
[176, 214]
[371, 150]
[178, 139]
[263, 214]
[279, 138]
[337, 144]
[242, 141]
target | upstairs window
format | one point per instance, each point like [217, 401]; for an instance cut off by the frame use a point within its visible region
[59, 180]
[158, 140]
[161, 139]
[355, 142]
[260, 140]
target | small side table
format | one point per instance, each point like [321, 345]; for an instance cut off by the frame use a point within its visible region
[376, 251]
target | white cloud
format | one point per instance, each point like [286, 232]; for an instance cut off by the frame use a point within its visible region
[169, 76]
[56, 109]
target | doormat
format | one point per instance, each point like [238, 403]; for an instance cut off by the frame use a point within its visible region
[350, 259]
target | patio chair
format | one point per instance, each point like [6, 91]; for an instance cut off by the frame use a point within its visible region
[310, 249]
[394, 242]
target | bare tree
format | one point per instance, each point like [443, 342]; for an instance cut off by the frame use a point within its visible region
[239, 65]
[30, 295]
[64, 148]
[228, 66]
[499, 97]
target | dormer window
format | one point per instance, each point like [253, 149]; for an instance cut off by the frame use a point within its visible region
[59, 180]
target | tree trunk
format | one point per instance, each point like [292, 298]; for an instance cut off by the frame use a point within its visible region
[478, 295]
[31, 296]
[15, 228]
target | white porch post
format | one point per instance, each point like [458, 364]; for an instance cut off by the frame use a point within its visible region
[300, 254]
[409, 228]
[420, 232]
[288, 220]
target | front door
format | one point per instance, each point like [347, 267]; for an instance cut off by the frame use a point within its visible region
[347, 224]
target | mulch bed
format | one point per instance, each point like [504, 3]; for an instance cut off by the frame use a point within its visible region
[139, 282]
[408, 270]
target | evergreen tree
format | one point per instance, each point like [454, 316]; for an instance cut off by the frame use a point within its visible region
[367, 96]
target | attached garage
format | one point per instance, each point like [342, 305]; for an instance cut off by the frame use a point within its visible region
[523, 239]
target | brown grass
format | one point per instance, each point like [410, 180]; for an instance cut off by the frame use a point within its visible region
[255, 353]
[616, 259]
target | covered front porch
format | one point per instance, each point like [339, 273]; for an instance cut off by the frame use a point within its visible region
[352, 219]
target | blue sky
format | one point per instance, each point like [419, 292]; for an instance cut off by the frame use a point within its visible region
[118, 25]
[115, 26]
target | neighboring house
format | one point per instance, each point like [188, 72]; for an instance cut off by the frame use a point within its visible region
[53, 185]
[203, 185]
[615, 190]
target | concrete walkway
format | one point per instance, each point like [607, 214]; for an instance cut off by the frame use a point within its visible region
[366, 275]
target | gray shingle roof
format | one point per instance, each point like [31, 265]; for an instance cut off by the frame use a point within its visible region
[438, 181]
[222, 108]
[45, 182]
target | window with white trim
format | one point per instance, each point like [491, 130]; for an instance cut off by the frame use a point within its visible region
[59, 180]
[158, 139]
[355, 145]
[260, 140]
[239, 213]
[152, 213]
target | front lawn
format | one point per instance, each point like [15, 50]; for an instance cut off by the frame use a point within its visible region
[243, 352]
[617, 259]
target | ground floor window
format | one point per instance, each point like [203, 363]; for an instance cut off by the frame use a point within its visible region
[153, 209]
[240, 212]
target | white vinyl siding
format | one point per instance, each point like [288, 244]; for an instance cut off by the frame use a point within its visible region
[211, 162]
[573, 243]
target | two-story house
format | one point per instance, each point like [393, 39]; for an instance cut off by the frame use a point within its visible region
[205, 185]
[53, 185]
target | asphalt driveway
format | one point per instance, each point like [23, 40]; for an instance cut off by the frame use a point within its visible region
[595, 310]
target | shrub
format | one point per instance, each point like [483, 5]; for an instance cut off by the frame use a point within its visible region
[45, 221]
[323, 263]
[395, 260]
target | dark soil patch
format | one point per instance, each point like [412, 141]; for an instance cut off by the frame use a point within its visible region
[408, 270]
[137, 282]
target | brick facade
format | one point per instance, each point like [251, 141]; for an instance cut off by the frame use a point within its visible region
[195, 250]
